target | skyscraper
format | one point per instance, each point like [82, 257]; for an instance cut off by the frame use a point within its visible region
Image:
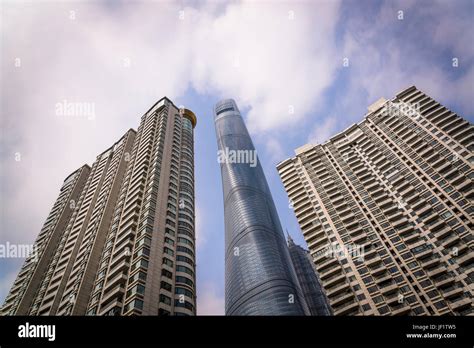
[386, 209]
[308, 279]
[259, 276]
[120, 237]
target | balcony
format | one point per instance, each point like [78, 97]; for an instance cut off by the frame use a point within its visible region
[378, 271]
[452, 291]
[399, 225]
[112, 295]
[450, 241]
[338, 289]
[348, 218]
[435, 223]
[348, 308]
[324, 265]
[430, 262]
[464, 185]
[389, 289]
[374, 261]
[329, 272]
[318, 242]
[320, 256]
[356, 231]
[423, 254]
[460, 303]
[386, 203]
[438, 271]
[337, 301]
[401, 309]
[313, 234]
[109, 306]
[411, 238]
[444, 281]
[333, 280]
[465, 259]
[360, 238]
[391, 299]
[443, 233]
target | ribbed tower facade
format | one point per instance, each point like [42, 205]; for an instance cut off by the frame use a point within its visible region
[308, 279]
[386, 209]
[120, 237]
[259, 276]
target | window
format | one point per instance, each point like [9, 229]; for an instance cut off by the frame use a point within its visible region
[185, 250]
[140, 275]
[169, 241]
[446, 215]
[137, 289]
[183, 291]
[167, 262]
[372, 289]
[184, 280]
[168, 251]
[224, 110]
[165, 299]
[418, 310]
[135, 304]
[162, 311]
[184, 269]
[413, 264]
[182, 258]
[166, 285]
[184, 304]
[166, 273]
[140, 263]
[378, 299]
[169, 231]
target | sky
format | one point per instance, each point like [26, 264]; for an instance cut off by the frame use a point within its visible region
[300, 71]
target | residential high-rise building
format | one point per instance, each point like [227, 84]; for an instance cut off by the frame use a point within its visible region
[386, 208]
[120, 238]
[259, 276]
[308, 279]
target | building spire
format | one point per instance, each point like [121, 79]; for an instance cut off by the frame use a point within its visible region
[290, 240]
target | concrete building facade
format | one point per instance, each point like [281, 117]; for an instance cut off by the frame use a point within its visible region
[120, 238]
[386, 208]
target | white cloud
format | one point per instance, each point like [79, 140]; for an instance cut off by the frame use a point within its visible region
[272, 57]
[209, 301]
[201, 236]
[123, 59]
[322, 132]
[383, 61]
[274, 149]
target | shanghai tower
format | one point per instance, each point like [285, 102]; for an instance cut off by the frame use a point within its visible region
[259, 276]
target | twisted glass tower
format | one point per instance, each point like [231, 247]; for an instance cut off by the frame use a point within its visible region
[260, 278]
